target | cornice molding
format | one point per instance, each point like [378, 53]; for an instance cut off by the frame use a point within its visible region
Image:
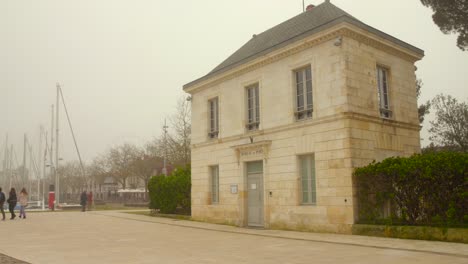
[380, 45]
[304, 124]
[342, 30]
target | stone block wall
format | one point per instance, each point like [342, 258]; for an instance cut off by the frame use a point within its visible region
[346, 132]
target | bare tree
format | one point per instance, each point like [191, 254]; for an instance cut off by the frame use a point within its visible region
[182, 126]
[176, 146]
[120, 160]
[97, 171]
[72, 180]
[147, 166]
[450, 126]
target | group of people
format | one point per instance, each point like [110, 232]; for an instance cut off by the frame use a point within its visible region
[13, 199]
[12, 202]
[86, 199]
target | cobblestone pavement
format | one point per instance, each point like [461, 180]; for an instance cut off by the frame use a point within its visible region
[114, 237]
[9, 260]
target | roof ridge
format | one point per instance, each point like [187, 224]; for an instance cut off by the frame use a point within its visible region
[321, 17]
[277, 44]
[304, 14]
[300, 14]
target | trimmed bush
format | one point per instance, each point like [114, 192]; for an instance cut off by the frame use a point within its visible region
[413, 232]
[424, 189]
[171, 194]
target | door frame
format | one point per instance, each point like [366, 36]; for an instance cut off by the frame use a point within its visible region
[246, 198]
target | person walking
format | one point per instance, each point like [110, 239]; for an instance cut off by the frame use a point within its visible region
[90, 200]
[2, 201]
[23, 200]
[83, 200]
[12, 200]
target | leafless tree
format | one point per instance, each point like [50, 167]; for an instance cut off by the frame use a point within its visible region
[97, 171]
[176, 146]
[450, 126]
[181, 122]
[147, 166]
[120, 160]
[71, 178]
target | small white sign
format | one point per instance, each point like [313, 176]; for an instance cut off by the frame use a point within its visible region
[233, 189]
[253, 186]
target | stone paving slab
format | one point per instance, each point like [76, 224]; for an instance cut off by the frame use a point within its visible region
[9, 260]
[436, 247]
[116, 237]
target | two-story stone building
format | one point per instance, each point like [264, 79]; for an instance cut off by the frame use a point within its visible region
[279, 126]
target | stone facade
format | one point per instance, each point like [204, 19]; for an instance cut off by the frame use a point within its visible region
[346, 130]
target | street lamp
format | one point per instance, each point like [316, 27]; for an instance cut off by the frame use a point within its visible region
[165, 127]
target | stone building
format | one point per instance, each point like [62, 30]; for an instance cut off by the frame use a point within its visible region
[279, 126]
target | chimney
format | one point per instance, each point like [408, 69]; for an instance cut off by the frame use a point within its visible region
[309, 7]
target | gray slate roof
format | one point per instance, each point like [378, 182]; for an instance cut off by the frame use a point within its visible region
[299, 27]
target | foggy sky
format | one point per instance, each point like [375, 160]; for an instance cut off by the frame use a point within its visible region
[122, 64]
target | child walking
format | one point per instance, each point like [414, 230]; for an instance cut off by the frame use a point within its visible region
[23, 200]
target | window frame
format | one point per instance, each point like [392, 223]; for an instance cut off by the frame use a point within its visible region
[253, 112]
[213, 118]
[214, 184]
[383, 88]
[303, 108]
[311, 181]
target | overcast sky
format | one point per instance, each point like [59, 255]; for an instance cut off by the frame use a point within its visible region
[122, 63]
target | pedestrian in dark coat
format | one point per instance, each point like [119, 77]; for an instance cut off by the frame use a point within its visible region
[12, 203]
[83, 200]
[90, 200]
[2, 201]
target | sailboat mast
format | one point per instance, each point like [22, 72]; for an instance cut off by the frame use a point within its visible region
[51, 162]
[39, 160]
[46, 146]
[5, 162]
[10, 165]
[57, 183]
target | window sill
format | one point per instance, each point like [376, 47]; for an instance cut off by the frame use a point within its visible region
[308, 204]
[213, 135]
[303, 114]
[304, 119]
[252, 126]
[386, 113]
[253, 130]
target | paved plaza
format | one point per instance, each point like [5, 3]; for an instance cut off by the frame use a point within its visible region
[117, 237]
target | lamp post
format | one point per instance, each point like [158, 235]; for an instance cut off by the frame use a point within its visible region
[165, 127]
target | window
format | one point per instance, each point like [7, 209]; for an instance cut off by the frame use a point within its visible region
[304, 105]
[214, 118]
[253, 107]
[307, 170]
[382, 86]
[214, 170]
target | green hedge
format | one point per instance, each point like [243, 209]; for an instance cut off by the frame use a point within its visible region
[459, 235]
[424, 189]
[171, 194]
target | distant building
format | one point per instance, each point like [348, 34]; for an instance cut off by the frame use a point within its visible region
[279, 126]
